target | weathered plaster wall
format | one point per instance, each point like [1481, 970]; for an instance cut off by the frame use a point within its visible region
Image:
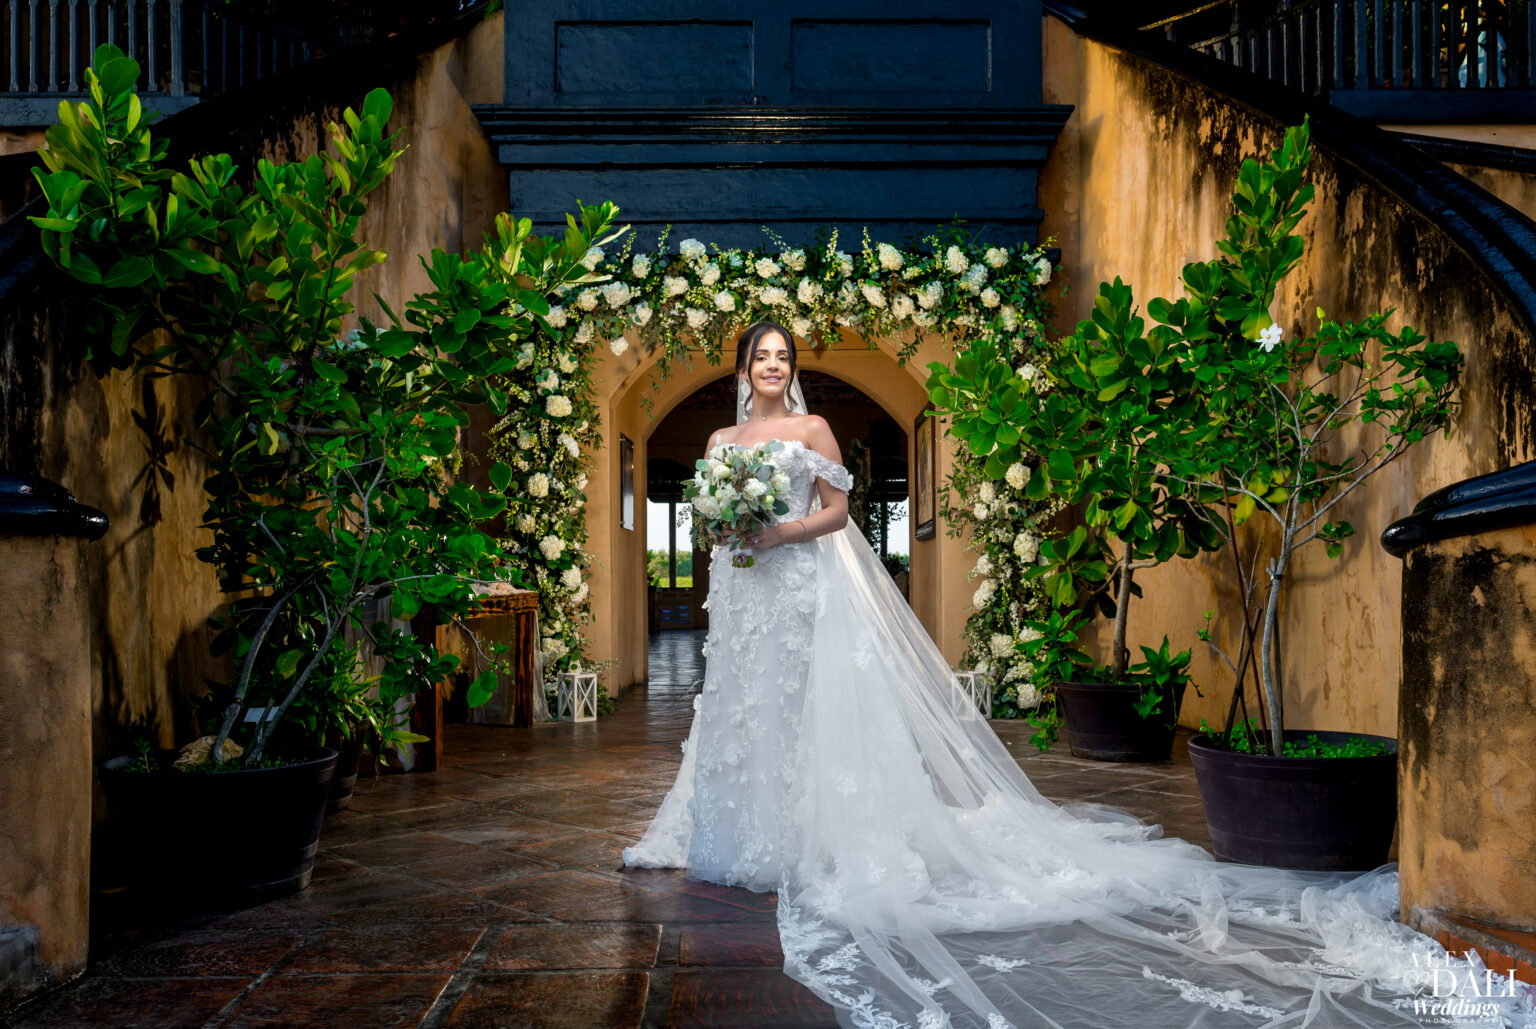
[149, 594]
[1137, 186]
[940, 589]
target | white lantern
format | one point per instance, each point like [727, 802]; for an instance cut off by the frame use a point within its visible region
[576, 695]
[975, 689]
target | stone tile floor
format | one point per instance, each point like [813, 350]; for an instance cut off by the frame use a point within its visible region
[490, 893]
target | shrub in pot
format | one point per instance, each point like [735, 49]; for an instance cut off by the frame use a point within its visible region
[331, 455]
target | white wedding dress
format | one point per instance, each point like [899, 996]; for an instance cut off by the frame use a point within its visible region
[923, 881]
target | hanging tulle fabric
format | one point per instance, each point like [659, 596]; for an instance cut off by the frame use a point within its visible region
[924, 882]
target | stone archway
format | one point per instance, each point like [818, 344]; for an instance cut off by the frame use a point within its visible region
[939, 591]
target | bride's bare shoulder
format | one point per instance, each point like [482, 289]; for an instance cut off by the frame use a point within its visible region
[813, 431]
[721, 436]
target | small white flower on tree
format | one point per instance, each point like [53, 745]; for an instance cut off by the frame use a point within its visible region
[1270, 338]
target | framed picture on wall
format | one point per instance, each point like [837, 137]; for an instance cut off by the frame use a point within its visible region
[924, 478]
[626, 483]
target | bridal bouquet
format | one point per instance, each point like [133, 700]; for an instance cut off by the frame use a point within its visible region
[737, 489]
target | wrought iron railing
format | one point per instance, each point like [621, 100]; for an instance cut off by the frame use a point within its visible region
[1340, 48]
[185, 49]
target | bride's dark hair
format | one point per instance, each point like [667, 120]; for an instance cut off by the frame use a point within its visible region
[746, 344]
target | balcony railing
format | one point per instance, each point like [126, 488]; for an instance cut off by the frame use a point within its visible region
[1408, 60]
[186, 50]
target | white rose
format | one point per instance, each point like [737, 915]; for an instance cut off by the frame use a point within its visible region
[616, 293]
[766, 268]
[640, 267]
[692, 250]
[707, 506]
[556, 317]
[674, 285]
[641, 314]
[902, 306]
[779, 481]
[570, 578]
[1018, 475]
[587, 299]
[695, 317]
[890, 257]
[538, 485]
[794, 260]
[989, 297]
[593, 259]
[1027, 372]
[710, 274]
[558, 406]
[956, 261]
[808, 292]
[725, 301]
[996, 257]
[773, 296]
[874, 294]
[1042, 272]
[755, 488]
[722, 472]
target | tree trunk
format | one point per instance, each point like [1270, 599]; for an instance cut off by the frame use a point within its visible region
[1118, 660]
[1268, 658]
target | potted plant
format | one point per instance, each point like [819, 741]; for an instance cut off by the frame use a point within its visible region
[330, 455]
[1086, 418]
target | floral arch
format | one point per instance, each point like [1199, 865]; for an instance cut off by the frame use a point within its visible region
[683, 307]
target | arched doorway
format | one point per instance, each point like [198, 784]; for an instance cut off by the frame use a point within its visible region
[638, 399]
[874, 446]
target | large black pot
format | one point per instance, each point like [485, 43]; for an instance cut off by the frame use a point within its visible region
[349, 757]
[1323, 813]
[1102, 723]
[239, 837]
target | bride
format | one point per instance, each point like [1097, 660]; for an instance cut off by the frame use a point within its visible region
[922, 880]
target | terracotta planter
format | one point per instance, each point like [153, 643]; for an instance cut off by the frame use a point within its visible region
[1322, 813]
[240, 837]
[1102, 723]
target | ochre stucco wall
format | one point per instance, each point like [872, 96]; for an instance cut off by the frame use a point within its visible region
[1139, 184]
[940, 590]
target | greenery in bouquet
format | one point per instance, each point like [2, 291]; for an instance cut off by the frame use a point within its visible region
[735, 490]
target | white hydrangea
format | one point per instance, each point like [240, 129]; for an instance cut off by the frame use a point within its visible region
[930, 294]
[521, 463]
[558, 406]
[975, 277]
[808, 292]
[843, 263]
[709, 274]
[641, 314]
[1042, 272]
[525, 523]
[1029, 696]
[551, 547]
[581, 481]
[556, 317]
[587, 299]
[872, 293]
[583, 333]
[616, 293]
[980, 512]
[695, 318]
[1009, 317]
[725, 300]
[525, 439]
[983, 595]
[567, 363]
[988, 493]
[766, 267]
[1001, 644]
[902, 306]
[570, 578]
[554, 650]
[773, 296]
[525, 356]
[984, 565]
[674, 285]
[990, 298]
[692, 250]
[800, 327]
[890, 257]
[1026, 547]
[593, 259]
[794, 260]
[955, 261]
[735, 259]
[569, 443]
[996, 257]
[640, 267]
[538, 485]
[1018, 475]
[579, 595]
[1027, 372]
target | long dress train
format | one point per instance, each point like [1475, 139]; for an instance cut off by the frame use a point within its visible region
[923, 881]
